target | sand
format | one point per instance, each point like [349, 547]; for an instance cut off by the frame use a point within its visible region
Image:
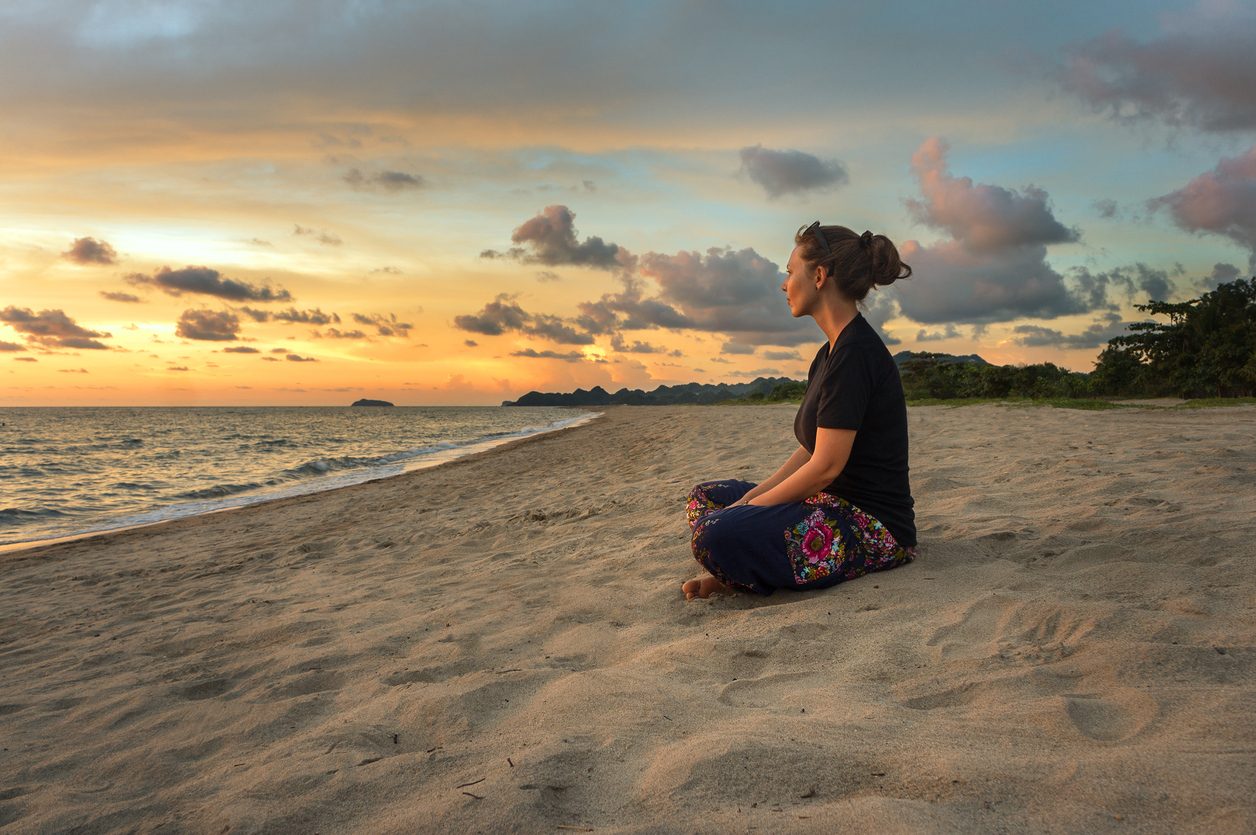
[500, 645]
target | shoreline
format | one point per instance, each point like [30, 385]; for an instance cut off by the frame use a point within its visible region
[309, 488]
[1072, 650]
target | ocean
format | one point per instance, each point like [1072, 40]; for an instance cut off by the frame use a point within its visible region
[68, 471]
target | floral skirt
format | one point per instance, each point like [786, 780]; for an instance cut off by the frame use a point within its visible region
[818, 542]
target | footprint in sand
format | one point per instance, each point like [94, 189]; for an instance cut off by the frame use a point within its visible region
[1112, 717]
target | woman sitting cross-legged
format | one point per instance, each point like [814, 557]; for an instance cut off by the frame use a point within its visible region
[841, 506]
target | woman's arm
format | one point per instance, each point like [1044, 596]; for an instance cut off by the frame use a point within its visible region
[800, 457]
[817, 472]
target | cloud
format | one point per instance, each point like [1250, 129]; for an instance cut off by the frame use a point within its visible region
[292, 315]
[25, 359]
[1221, 201]
[299, 358]
[119, 297]
[240, 349]
[1202, 78]
[319, 235]
[52, 329]
[336, 333]
[390, 181]
[618, 343]
[1106, 207]
[732, 347]
[984, 218]
[207, 282]
[1221, 274]
[790, 172]
[950, 332]
[209, 325]
[781, 355]
[385, 325]
[90, 251]
[550, 239]
[994, 267]
[573, 356]
[1098, 333]
[470, 343]
[504, 314]
[735, 292]
[11, 346]
[548, 275]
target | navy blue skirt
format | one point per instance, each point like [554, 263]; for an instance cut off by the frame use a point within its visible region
[818, 542]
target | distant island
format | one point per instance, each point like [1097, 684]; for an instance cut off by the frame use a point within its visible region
[365, 402]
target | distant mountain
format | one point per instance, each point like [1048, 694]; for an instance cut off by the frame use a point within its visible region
[661, 396]
[699, 392]
[908, 356]
[365, 402]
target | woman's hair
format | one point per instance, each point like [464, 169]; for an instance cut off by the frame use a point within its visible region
[857, 262]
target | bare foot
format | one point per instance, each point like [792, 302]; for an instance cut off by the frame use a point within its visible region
[704, 587]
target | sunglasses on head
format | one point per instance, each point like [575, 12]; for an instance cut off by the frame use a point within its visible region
[815, 228]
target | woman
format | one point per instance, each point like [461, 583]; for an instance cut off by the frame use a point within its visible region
[841, 506]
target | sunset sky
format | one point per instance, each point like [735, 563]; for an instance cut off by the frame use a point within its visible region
[214, 203]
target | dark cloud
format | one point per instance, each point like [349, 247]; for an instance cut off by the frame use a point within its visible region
[548, 275]
[573, 356]
[177, 368]
[299, 358]
[390, 181]
[1221, 201]
[292, 315]
[470, 343]
[52, 329]
[984, 218]
[736, 348]
[1135, 283]
[781, 355]
[629, 310]
[207, 282]
[209, 325]
[11, 346]
[90, 251]
[790, 172]
[1098, 333]
[336, 333]
[1201, 78]
[317, 234]
[620, 344]
[731, 292]
[550, 239]
[240, 349]
[950, 332]
[385, 325]
[504, 314]
[1221, 274]
[25, 359]
[119, 297]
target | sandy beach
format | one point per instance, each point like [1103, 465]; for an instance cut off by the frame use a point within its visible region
[500, 644]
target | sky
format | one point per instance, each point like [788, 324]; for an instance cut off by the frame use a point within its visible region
[305, 202]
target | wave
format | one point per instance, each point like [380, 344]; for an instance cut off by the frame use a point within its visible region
[20, 515]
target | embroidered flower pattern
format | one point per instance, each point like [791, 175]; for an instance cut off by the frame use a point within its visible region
[818, 546]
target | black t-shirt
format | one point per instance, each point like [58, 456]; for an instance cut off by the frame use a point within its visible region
[857, 387]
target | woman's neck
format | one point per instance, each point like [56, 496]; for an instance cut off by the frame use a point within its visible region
[834, 317]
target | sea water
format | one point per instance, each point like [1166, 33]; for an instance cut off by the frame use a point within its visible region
[67, 471]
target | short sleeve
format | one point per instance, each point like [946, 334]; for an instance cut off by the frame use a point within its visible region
[846, 389]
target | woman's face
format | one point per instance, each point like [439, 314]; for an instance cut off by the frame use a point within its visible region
[799, 285]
